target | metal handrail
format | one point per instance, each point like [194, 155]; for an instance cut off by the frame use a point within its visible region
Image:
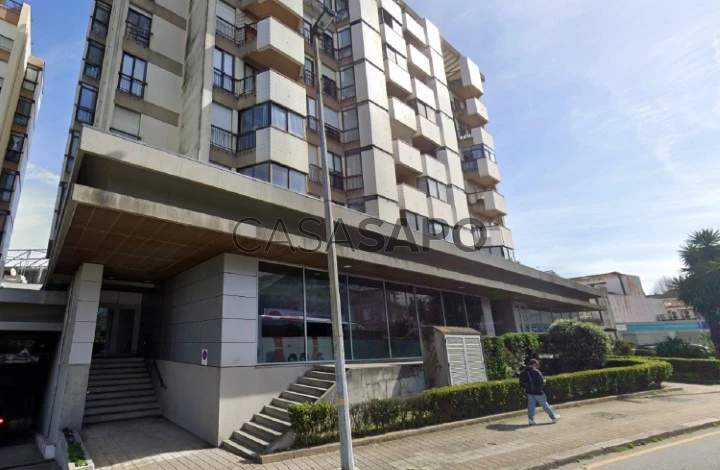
[238, 35]
[138, 34]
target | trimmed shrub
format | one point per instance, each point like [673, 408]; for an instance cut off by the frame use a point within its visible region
[676, 347]
[579, 345]
[645, 352]
[316, 423]
[623, 348]
[505, 355]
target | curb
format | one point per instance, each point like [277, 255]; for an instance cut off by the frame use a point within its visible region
[392, 436]
[603, 448]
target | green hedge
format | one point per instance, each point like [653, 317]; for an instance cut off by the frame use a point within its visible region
[316, 423]
[504, 355]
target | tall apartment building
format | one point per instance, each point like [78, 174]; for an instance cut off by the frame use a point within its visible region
[193, 116]
[21, 87]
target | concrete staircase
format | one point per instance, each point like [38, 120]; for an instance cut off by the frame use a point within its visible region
[258, 435]
[119, 388]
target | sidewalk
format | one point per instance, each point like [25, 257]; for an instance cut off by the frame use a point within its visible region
[157, 444]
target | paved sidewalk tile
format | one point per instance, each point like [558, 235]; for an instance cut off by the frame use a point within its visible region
[157, 444]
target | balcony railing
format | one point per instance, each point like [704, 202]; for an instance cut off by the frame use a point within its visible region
[337, 180]
[11, 5]
[329, 88]
[138, 34]
[222, 139]
[309, 77]
[238, 35]
[246, 142]
[332, 133]
[92, 70]
[237, 87]
[124, 134]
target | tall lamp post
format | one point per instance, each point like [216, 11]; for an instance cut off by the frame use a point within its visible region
[346, 453]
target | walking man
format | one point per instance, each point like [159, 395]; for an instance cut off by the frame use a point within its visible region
[533, 381]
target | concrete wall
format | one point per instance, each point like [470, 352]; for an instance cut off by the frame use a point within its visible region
[375, 381]
[197, 81]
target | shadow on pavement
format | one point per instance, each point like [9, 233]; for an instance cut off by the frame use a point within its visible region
[511, 427]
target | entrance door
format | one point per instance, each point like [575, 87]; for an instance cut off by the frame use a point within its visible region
[116, 331]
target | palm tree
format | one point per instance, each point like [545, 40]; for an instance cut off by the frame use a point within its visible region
[699, 283]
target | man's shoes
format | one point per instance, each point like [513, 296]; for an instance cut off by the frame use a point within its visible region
[531, 422]
[556, 419]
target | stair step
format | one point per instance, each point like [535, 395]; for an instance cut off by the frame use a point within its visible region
[284, 402]
[276, 412]
[115, 360]
[298, 397]
[147, 398]
[119, 370]
[130, 381]
[315, 382]
[239, 449]
[325, 368]
[280, 425]
[318, 374]
[120, 416]
[261, 432]
[100, 410]
[93, 390]
[114, 377]
[253, 443]
[307, 390]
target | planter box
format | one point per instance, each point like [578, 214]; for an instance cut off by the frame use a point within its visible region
[61, 456]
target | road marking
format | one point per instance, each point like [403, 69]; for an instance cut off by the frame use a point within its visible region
[648, 451]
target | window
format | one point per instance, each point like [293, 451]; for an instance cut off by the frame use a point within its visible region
[4, 218]
[351, 133]
[8, 179]
[319, 318]
[344, 43]
[421, 109]
[389, 20]
[23, 112]
[100, 19]
[32, 77]
[394, 56]
[138, 28]
[342, 9]
[278, 175]
[403, 320]
[477, 152]
[369, 319]
[440, 230]
[249, 80]
[475, 314]
[224, 70]
[225, 12]
[430, 309]
[433, 188]
[87, 99]
[221, 135]
[132, 75]
[357, 204]
[73, 147]
[16, 145]
[335, 169]
[414, 221]
[353, 172]
[347, 82]
[463, 131]
[271, 114]
[93, 60]
[454, 308]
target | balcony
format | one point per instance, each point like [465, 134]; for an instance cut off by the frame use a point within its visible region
[471, 112]
[331, 133]
[498, 235]
[288, 12]
[222, 139]
[402, 120]
[470, 83]
[237, 35]
[413, 30]
[482, 171]
[489, 204]
[398, 80]
[418, 62]
[11, 5]
[407, 159]
[138, 34]
[477, 136]
[412, 199]
[237, 87]
[428, 137]
[337, 180]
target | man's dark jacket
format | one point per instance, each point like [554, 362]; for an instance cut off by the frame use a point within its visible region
[532, 381]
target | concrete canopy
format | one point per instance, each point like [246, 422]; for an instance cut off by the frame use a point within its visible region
[146, 215]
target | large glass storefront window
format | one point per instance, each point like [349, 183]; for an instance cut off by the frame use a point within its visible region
[319, 317]
[369, 321]
[402, 317]
[429, 306]
[454, 309]
[281, 310]
[475, 314]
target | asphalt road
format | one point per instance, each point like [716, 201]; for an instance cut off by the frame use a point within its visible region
[698, 451]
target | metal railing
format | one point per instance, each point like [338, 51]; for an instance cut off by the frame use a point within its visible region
[337, 180]
[238, 35]
[238, 87]
[138, 34]
[309, 77]
[329, 87]
[124, 134]
[222, 139]
[332, 133]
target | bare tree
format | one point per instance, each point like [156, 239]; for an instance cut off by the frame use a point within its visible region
[664, 285]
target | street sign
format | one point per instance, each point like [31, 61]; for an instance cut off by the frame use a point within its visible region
[204, 357]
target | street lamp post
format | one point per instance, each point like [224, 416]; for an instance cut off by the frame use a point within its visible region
[346, 452]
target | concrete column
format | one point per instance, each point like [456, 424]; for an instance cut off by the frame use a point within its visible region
[65, 403]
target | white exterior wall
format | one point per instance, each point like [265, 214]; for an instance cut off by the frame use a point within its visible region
[367, 78]
[412, 199]
[273, 34]
[166, 37]
[272, 86]
[163, 88]
[375, 127]
[281, 147]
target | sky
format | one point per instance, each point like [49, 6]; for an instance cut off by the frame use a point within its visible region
[605, 116]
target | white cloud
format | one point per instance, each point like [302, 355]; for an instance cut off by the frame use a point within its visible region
[36, 173]
[36, 208]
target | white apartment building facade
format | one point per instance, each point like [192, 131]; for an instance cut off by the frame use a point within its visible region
[21, 87]
[189, 221]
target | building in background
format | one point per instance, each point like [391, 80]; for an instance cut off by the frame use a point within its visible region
[25, 267]
[190, 117]
[646, 320]
[21, 87]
